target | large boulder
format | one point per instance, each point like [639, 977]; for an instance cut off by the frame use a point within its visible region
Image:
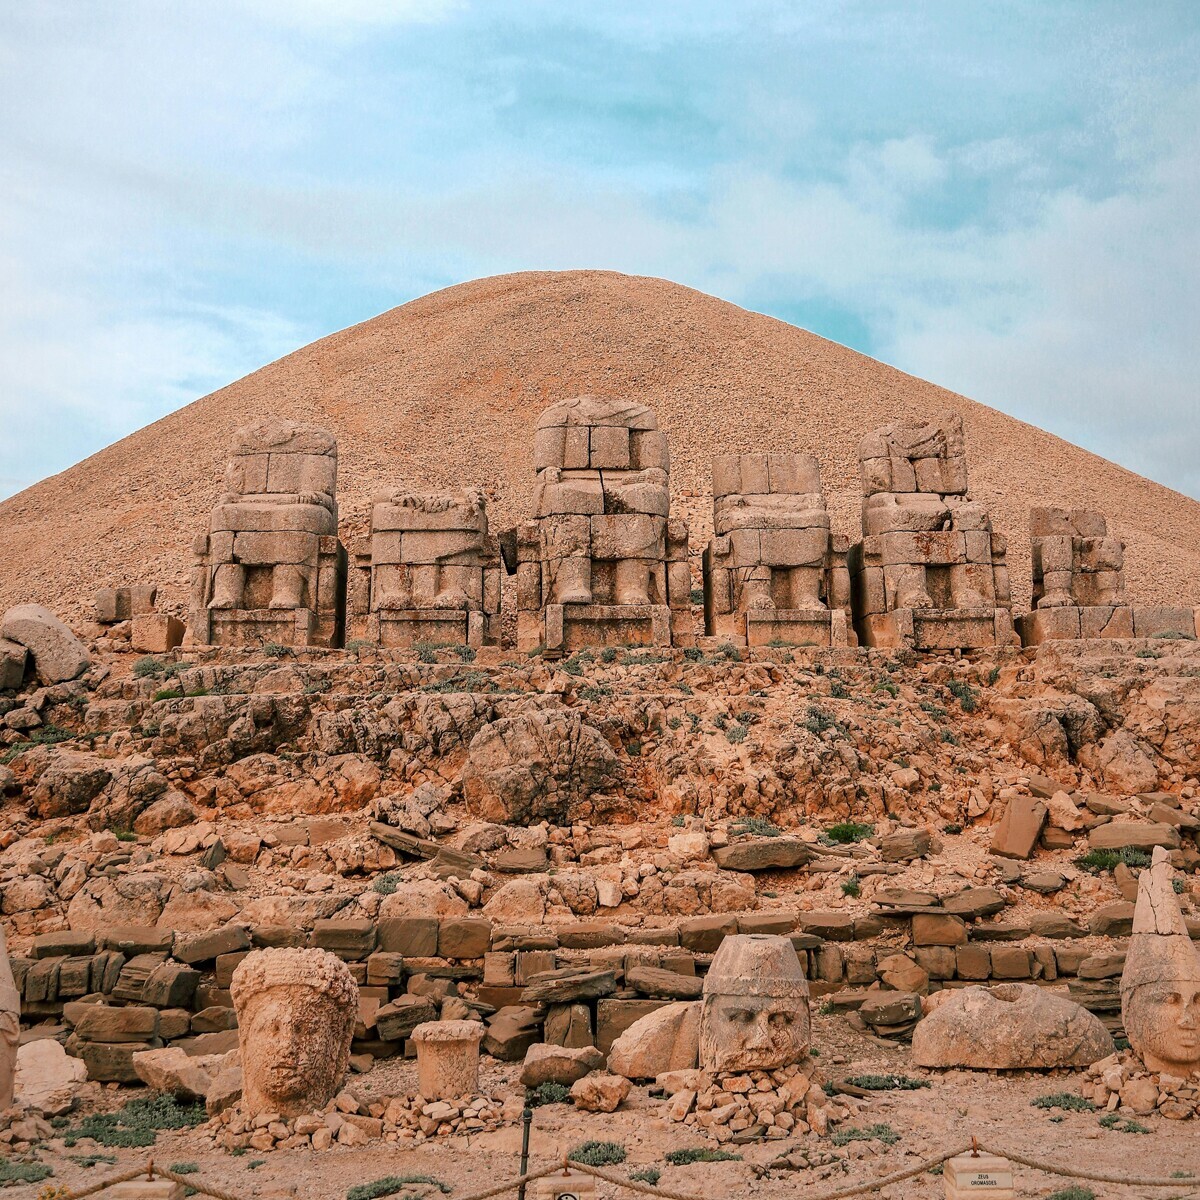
[47, 1077]
[1009, 1026]
[176, 1073]
[58, 655]
[667, 1039]
[558, 1064]
[536, 766]
[69, 783]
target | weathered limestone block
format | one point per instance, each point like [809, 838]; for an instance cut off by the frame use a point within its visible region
[58, 655]
[601, 563]
[428, 571]
[10, 1026]
[1079, 584]
[666, 1039]
[448, 1058]
[124, 603]
[755, 1010]
[296, 1012]
[929, 573]
[773, 572]
[47, 1077]
[1009, 1026]
[271, 567]
[1160, 985]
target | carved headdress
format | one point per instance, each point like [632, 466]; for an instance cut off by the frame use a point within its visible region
[316, 969]
[1160, 948]
[756, 964]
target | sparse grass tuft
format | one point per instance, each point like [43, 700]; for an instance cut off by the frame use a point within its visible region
[888, 1083]
[547, 1093]
[968, 697]
[1097, 861]
[852, 887]
[757, 826]
[873, 1133]
[650, 1175]
[138, 1123]
[23, 1172]
[845, 832]
[1066, 1100]
[695, 1154]
[389, 1185]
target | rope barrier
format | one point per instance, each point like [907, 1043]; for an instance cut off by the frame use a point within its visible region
[151, 1169]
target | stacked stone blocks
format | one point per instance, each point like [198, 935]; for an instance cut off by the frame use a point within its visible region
[773, 572]
[601, 563]
[1079, 584]
[271, 567]
[428, 572]
[930, 572]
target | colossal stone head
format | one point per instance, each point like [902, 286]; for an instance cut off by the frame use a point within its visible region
[1160, 986]
[755, 1013]
[10, 1026]
[296, 1011]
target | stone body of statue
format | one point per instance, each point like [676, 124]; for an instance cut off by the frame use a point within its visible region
[10, 1025]
[296, 1011]
[754, 1015]
[272, 546]
[1160, 985]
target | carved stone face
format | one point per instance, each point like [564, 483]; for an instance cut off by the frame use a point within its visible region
[753, 1033]
[1163, 1024]
[293, 1049]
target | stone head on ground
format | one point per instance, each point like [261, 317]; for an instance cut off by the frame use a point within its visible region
[755, 1010]
[296, 1012]
[1160, 985]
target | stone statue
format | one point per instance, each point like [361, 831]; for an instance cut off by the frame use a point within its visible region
[296, 1011]
[1160, 986]
[755, 1008]
[428, 571]
[929, 572]
[10, 1026]
[601, 551]
[271, 567]
[773, 572]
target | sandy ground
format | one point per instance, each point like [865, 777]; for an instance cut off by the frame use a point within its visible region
[996, 1108]
[445, 391]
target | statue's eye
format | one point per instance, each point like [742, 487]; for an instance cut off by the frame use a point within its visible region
[781, 1018]
[743, 1016]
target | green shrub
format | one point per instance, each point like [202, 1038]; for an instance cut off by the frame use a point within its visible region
[696, 596]
[1066, 1100]
[887, 1083]
[547, 1093]
[693, 654]
[274, 650]
[1173, 635]
[23, 1172]
[1112, 1121]
[148, 665]
[993, 675]
[608, 654]
[968, 697]
[852, 887]
[1074, 1192]
[185, 1168]
[736, 733]
[695, 1154]
[845, 832]
[389, 1185]
[952, 828]
[94, 1160]
[138, 1123]
[674, 722]
[386, 884]
[598, 1154]
[358, 645]
[1098, 861]
[873, 1133]
[650, 1175]
[838, 690]
[887, 686]
[756, 826]
[169, 694]
[818, 721]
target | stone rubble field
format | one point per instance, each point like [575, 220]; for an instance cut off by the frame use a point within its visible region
[559, 849]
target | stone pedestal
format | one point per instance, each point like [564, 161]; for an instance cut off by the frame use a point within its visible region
[448, 1058]
[146, 1189]
[566, 1185]
[970, 1175]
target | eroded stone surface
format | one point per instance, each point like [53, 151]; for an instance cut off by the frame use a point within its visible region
[1160, 985]
[296, 1011]
[10, 1025]
[1011, 1025]
[448, 1058]
[755, 1009]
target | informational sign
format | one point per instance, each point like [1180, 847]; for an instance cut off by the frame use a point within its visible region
[975, 1175]
[567, 1186]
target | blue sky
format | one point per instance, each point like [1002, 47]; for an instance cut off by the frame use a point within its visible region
[1000, 197]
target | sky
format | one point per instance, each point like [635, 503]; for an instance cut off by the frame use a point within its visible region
[1000, 197]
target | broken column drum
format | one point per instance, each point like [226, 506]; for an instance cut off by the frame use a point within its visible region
[447, 1058]
[1079, 584]
[429, 571]
[930, 572]
[773, 572]
[271, 568]
[601, 563]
